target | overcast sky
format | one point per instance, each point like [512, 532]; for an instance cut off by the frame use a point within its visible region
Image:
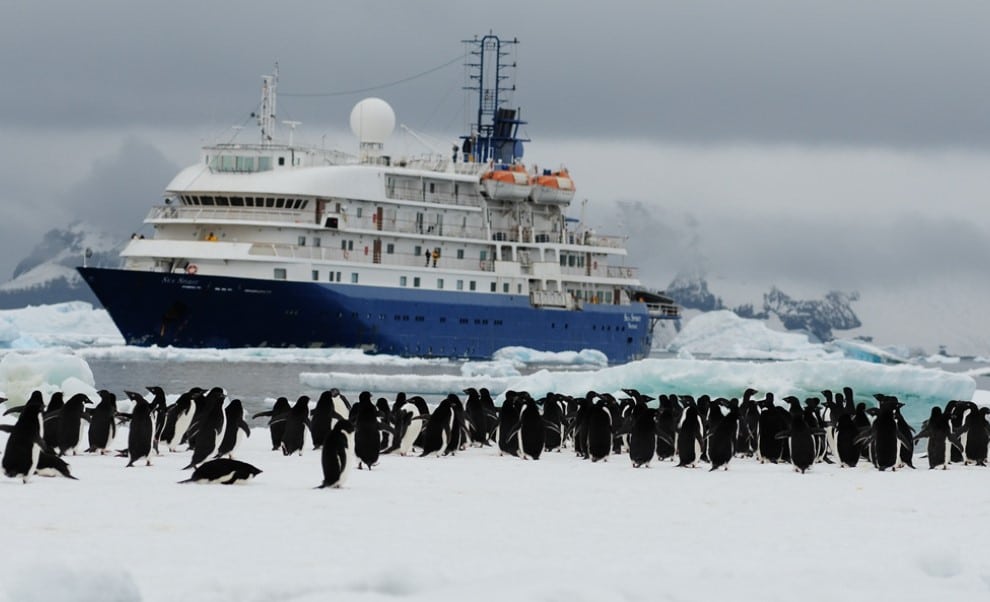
[830, 144]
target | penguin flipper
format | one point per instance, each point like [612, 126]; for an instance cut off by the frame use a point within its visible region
[7, 428]
[244, 427]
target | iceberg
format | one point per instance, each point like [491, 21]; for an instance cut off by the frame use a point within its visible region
[73, 324]
[47, 371]
[724, 335]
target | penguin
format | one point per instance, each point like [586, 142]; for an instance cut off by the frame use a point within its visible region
[202, 406]
[209, 428]
[337, 454]
[599, 431]
[553, 419]
[225, 471]
[846, 445]
[50, 418]
[667, 419]
[491, 412]
[367, 431]
[531, 429]
[642, 435]
[801, 441]
[722, 439]
[178, 417]
[276, 421]
[976, 430]
[436, 435]
[320, 419]
[407, 424]
[688, 441]
[940, 439]
[907, 440]
[884, 438]
[235, 430]
[142, 430]
[50, 465]
[70, 424]
[385, 418]
[159, 410]
[769, 423]
[25, 443]
[458, 428]
[103, 423]
[478, 418]
[508, 417]
[954, 411]
[296, 423]
[749, 413]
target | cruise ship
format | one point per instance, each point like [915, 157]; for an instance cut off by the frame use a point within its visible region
[273, 244]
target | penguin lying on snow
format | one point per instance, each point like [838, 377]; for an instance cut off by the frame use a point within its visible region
[224, 471]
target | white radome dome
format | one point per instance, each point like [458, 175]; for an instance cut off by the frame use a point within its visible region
[372, 120]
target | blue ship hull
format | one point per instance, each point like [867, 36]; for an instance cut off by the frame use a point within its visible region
[151, 308]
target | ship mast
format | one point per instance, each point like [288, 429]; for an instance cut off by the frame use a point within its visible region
[266, 116]
[494, 134]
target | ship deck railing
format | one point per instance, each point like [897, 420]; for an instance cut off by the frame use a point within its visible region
[366, 256]
[663, 311]
[214, 214]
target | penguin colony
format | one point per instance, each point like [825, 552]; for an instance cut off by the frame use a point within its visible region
[682, 429]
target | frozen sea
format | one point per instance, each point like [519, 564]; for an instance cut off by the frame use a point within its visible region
[478, 525]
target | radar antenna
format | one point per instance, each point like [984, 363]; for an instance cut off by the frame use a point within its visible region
[266, 116]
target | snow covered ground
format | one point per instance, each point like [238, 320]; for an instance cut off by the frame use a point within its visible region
[477, 526]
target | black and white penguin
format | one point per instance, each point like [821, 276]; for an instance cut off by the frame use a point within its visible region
[553, 419]
[296, 424]
[235, 430]
[688, 441]
[140, 439]
[103, 423]
[436, 435]
[367, 431]
[276, 420]
[321, 418]
[532, 429]
[209, 429]
[884, 438]
[475, 418]
[769, 423]
[51, 465]
[225, 471]
[668, 415]
[801, 441]
[70, 424]
[599, 431]
[722, 439]
[178, 417]
[847, 447]
[25, 443]
[407, 424]
[642, 435]
[906, 432]
[940, 439]
[508, 417]
[338, 454]
[50, 418]
[976, 431]
[159, 411]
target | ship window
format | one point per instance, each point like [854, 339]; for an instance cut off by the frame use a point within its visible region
[279, 273]
[416, 282]
[484, 255]
[269, 203]
[580, 261]
[439, 282]
[244, 163]
[350, 245]
[389, 249]
[402, 281]
[498, 322]
[264, 163]
[280, 203]
[443, 320]
[354, 278]
[464, 320]
[493, 287]
[302, 241]
[419, 319]
[360, 211]
[298, 204]
[303, 204]
[460, 253]
[222, 201]
[208, 200]
[460, 285]
[505, 287]
[433, 187]
[563, 260]
[316, 274]
[317, 242]
[226, 163]
[471, 285]
[330, 276]
[519, 288]
[236, 201]
[417, 251]
[571, 260]
[338, 276]
[281, 160]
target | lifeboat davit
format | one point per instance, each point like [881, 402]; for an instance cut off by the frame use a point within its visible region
[553, 187]
[506, 182]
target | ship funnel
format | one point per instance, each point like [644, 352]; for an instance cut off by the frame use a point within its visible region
[372, 121]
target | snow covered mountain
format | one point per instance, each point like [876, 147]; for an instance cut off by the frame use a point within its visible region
[47, 275]
[817, 317]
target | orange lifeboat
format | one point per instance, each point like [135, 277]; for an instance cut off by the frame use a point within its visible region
[506, 182]
[553, 187]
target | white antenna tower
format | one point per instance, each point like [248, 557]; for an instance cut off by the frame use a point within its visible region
[266, 116]
[292, 128]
